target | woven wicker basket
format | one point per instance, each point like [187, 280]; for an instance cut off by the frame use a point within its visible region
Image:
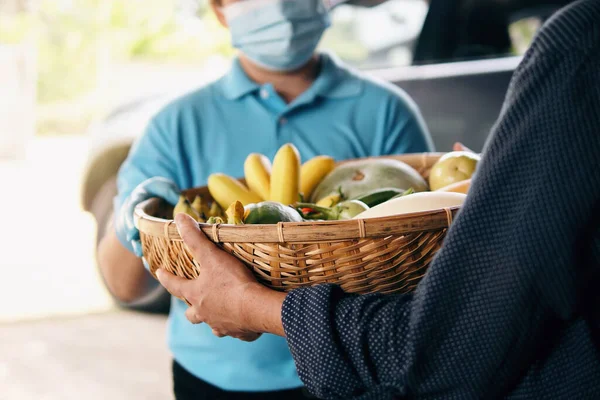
[385, 255]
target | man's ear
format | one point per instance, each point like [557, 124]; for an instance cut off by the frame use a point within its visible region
[219, 13]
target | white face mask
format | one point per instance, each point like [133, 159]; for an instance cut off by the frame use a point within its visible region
[279, 35]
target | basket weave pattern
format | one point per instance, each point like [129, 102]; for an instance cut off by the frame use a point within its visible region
[384, 255]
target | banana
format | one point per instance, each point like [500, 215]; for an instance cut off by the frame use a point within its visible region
[215, 210]
[313, 172]
[285, 178]
[257, 170]
[226, 190]
[200, 206]
[235, 214]
[330, 200]
[184, 206]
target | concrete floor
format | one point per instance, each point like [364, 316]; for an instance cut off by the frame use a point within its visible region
[113, 356]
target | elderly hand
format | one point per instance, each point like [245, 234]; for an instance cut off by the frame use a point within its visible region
[226, 295]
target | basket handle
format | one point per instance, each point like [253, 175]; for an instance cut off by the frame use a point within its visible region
[362, 229]
[215, 233]
[449, 215]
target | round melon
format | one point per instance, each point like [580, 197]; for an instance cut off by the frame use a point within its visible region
[356, 178]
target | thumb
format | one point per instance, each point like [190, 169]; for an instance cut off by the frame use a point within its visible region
[461, 147]
[175, 285]
[193, 237]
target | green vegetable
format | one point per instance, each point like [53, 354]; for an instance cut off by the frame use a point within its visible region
[311, 212]
[270, 212]
[350, 209]
[405, 193]
[344, 210]
[379, 196]
[215, 221]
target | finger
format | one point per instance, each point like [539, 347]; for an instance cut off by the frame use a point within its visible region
[249, 337]
[146, 264]
[175, 285]
[218, 334]
[130, 207]
[133, 234]
[192, 315]
[461, 147]
[137, 248]
[195, 240]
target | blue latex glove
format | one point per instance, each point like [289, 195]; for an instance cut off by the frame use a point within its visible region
[127, 233]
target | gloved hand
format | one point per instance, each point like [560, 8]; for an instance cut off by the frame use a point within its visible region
[127, 233]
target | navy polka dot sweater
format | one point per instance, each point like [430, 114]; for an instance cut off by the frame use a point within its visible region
[510, 307]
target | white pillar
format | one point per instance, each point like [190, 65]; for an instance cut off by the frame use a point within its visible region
[18, 78]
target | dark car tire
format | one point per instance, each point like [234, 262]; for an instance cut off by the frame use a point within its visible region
[157, 301]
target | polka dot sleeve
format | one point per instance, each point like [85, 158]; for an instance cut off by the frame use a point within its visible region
[509, 306]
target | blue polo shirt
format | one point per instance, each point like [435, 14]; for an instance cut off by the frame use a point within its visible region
[213, 129]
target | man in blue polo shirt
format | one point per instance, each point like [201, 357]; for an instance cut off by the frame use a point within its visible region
[278, 90]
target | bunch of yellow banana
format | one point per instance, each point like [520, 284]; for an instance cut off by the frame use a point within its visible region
[313, 172]
[184, 207]
[198, 209]
[283, 181]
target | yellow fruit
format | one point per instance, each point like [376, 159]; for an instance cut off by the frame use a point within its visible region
[257, 170]
[215, 210]
[235, 214]
[313, 172]
[285, 178]
[458, 187]
[330, 200]
[197, 204]
[184, 207]
[453, 167]
[201, 208]
[226, 190]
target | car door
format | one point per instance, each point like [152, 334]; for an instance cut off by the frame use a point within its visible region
[455, 58]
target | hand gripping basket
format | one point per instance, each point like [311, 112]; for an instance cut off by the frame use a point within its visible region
[384, 255]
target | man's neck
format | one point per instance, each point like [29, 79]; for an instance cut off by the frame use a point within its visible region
[289, 85]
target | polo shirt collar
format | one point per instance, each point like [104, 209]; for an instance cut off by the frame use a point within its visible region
[236, 83]
[334, 81]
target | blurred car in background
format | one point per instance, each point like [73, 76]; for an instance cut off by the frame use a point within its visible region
[454, 57]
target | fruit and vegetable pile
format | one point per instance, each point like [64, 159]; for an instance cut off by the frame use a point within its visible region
[321, 190]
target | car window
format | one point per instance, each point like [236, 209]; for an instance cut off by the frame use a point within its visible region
[522, 32]
[499, 31]
[377, 37]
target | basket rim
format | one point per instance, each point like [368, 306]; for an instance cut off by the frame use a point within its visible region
[313, 231]
[301, 232]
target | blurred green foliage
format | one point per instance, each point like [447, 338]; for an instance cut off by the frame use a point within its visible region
[74, 37]
[81, 45]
